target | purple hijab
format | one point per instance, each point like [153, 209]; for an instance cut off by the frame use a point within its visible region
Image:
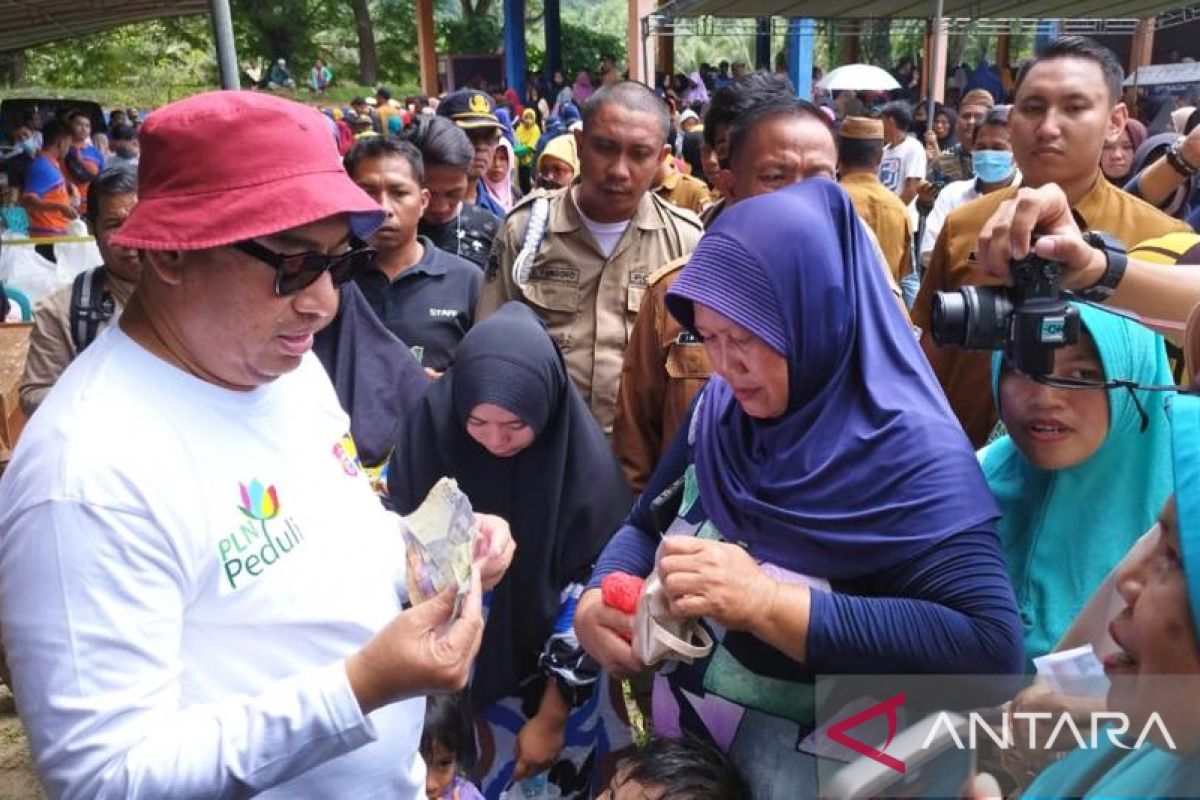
[868, 467]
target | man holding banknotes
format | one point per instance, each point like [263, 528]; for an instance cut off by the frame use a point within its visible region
[200, 594]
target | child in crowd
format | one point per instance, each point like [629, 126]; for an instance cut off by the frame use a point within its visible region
[1081, 473]
[447, 747]
[687, 769]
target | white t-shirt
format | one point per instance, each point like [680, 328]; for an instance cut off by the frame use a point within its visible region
[183, 570]
[900, 162]
[606, 234]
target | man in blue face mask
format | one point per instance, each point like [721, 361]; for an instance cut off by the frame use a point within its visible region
[992, 159]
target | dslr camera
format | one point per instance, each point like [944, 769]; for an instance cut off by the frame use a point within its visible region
[1028, 321]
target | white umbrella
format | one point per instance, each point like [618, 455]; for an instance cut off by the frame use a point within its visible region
[858, 78]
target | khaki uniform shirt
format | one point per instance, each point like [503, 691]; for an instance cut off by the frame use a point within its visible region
[684, 191]
[965, 375]
[886, 216]
[665, 367]
[51, 347]
[587, 302]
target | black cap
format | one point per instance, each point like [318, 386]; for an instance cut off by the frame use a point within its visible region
[470, 109]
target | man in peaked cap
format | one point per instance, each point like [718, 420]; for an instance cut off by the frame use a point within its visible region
[474, 112]
[860, 149]
[200, 593]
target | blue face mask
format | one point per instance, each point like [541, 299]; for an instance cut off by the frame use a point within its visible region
[29, 146]
[992, 166]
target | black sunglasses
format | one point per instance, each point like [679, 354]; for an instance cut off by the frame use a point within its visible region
[297, 271]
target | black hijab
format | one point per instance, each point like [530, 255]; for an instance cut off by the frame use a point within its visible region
[377, 380]
[564, 496]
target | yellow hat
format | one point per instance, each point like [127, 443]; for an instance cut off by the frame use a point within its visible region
[562, 148]
[862, 128]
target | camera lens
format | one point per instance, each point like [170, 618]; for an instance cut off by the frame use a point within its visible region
[949, 318]
[989, 315]
[976, 318]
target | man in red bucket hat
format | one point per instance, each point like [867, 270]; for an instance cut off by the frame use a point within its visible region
[199, 589]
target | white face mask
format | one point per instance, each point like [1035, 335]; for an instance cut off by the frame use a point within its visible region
[29, 146]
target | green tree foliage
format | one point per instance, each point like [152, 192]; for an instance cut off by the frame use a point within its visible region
[162, 52]
[273, 29]
[582, 48]
[478, 33]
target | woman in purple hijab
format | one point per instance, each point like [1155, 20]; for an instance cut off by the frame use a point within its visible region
[821, 511]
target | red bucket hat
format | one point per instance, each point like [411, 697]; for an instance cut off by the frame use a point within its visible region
[227, 166]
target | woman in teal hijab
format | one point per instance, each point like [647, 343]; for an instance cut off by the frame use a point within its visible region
[1081, 473]
[1158, 633]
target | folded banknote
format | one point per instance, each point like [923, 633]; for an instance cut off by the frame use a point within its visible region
[439, 538]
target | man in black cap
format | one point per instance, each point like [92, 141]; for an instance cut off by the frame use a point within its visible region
[474, 112]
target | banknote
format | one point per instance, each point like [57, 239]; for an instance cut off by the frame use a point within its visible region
[439, 538]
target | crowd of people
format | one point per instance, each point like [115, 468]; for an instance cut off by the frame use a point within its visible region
[683, 333]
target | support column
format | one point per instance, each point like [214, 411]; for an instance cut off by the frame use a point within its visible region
[762, 45]
[426, 44]
[1141, 54]
[664, 61]
[1142, 50]
[1002, 51]
[640, 49]
[514, 45]
[553, 28]
[940, 46]
[222, 25]
[801, 39]
[850, 47]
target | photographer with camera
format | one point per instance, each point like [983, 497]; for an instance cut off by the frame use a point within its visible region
[1066, 105]
[1162, 294]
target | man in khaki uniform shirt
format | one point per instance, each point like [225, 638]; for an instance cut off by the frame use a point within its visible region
[111, 198]
[603, 236]
[776, 142]
[860, 149]
[1067, 104]
[681, 190]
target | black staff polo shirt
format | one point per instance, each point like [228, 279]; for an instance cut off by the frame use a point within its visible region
[430, 306]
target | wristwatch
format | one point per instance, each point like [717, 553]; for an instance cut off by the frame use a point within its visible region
[1116, 257]
[1177, 161]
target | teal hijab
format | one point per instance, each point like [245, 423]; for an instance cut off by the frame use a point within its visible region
[1148, 772]
[1062, 531]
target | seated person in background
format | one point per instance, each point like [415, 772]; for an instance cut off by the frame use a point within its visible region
[68, 320]
[509, 425]
[422, 294]
[1081, 473]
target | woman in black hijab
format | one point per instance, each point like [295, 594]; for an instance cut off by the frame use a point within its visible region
[508, 424]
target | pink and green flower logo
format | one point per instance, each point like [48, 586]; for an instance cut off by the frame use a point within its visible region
[258, 502]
